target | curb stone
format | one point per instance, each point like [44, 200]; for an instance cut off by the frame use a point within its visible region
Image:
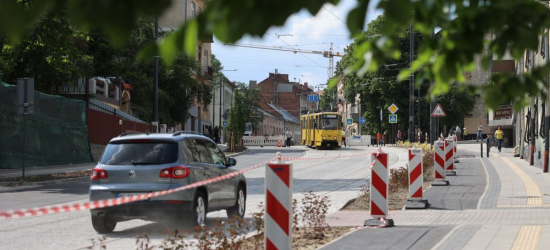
[236, 154]
[32, 185]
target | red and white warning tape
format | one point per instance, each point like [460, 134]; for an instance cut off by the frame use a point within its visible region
[20, 213]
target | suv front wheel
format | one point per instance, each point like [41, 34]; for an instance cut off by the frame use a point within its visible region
[240, 205]
[103, 224]
[197, 217]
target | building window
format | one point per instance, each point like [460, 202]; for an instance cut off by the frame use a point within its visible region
[205, 61]
[192, 10]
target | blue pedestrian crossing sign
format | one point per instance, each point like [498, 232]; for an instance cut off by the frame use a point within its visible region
[225, 123]
[349, 121]
[312, 98]
[362, 120]
[393, 118]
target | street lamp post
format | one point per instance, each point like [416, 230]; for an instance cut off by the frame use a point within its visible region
[156, 80]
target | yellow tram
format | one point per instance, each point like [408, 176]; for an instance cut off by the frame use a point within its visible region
[322, 130]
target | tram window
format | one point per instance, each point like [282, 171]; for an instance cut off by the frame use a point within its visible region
[330, 122]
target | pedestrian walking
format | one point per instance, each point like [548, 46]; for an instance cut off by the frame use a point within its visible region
[344, 138]
[384, 138]
[399, 136]
[499, 135]
[288, 136]
[458, 132]
[378, 138]
[210, 132]
[216, 134]
[205, 131]
[479, 131]
[465, 134]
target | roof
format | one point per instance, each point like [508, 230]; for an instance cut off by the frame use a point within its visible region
[287, 116]
[157, 136]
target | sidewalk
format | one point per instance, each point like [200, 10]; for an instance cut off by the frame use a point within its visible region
[493, 203]
[29, 171]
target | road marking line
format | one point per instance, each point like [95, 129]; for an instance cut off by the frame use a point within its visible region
[440, 243]
[523, 206]
[486, 185]
[528, 238]
[533, 192]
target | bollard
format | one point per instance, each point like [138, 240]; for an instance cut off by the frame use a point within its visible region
[481, 146]
[379, 191]
[488, 148]
[455, 149]
[278, 203]
[416, 180]
[426, 139]
[449, 157]
[439, 164]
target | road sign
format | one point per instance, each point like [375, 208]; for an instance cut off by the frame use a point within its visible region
[438, 111]
[312, 98]
[349, 121]
[393, 118]
[25, 96]
[225, 123]
[362, 120]
[393, 108]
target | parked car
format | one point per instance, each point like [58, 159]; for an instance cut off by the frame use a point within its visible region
[134, 164]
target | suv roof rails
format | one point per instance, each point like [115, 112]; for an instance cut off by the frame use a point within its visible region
[129, 133]
[186, 132]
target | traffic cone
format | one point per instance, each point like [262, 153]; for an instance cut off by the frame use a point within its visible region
[279, 143]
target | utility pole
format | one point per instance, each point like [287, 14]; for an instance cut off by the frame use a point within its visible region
[411, 87]
[432, 135]
[156, 80]
[547, 108]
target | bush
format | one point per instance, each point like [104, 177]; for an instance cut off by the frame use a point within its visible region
[399, 179]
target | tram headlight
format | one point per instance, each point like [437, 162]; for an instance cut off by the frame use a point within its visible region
[324, 138]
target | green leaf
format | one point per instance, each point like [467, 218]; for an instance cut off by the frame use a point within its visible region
[191, 38]
[356, 17]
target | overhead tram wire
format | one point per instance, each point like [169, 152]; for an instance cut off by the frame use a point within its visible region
[334, 15]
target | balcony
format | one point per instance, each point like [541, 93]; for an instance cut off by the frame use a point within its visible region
[205, 73]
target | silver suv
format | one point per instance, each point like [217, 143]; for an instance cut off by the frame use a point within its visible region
[134, 164]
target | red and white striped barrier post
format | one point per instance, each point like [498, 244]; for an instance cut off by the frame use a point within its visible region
[278, 203]
[449, 157]
[379, 181]
[416, 180]
[455, 143]
[439, 164]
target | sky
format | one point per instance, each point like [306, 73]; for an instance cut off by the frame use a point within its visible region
[301, 31]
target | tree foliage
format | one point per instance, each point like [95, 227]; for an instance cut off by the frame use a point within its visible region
[52, 52]
[468, 29]
[328, 100]
[246, 102]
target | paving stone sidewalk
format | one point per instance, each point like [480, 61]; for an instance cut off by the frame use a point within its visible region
[512, 210]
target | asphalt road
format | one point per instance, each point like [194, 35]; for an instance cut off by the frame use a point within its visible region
[338, 176]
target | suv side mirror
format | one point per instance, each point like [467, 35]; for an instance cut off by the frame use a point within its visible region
[232, 162]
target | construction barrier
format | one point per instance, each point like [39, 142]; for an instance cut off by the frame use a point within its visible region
[427, 140]
[449, 157]
[416, 180]
[439, 164]
[358, 140]
[379, 182]
[261, 140]
[278, 201]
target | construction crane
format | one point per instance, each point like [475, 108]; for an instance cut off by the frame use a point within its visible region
[328, 54]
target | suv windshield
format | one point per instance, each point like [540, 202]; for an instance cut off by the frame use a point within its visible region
[142, 153]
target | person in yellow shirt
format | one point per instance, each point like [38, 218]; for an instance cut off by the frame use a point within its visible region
[499, 134]
[465, 138]
[344, 137]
